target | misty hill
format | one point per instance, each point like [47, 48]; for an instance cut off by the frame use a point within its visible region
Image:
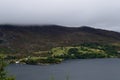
[27, 39]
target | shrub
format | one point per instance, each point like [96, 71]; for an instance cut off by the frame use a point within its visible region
[3, 74]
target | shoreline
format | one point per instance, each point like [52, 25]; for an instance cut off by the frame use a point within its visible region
[44, 64]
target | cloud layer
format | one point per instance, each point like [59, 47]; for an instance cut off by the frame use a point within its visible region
[96, 13]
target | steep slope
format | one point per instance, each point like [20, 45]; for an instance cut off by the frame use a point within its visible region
[27, 39]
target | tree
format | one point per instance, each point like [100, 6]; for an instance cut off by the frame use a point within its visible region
[3, 74]
[73, 52]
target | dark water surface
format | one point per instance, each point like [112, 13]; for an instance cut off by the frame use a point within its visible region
[87, 69]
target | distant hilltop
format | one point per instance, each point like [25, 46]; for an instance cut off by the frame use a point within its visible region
[34, 38]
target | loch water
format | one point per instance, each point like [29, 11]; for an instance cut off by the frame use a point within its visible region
[80, 69]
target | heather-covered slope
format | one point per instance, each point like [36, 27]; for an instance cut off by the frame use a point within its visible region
[28, 39]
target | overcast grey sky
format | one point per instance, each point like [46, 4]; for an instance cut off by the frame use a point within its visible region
[97, 13]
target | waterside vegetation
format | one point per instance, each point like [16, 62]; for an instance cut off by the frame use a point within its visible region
[3, 73]
[58, 54]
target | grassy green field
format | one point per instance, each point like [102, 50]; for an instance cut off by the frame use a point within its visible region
[59, 54]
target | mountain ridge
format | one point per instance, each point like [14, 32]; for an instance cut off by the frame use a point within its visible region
[28, 39]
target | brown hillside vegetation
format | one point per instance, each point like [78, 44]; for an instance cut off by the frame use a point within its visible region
[27, 39]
